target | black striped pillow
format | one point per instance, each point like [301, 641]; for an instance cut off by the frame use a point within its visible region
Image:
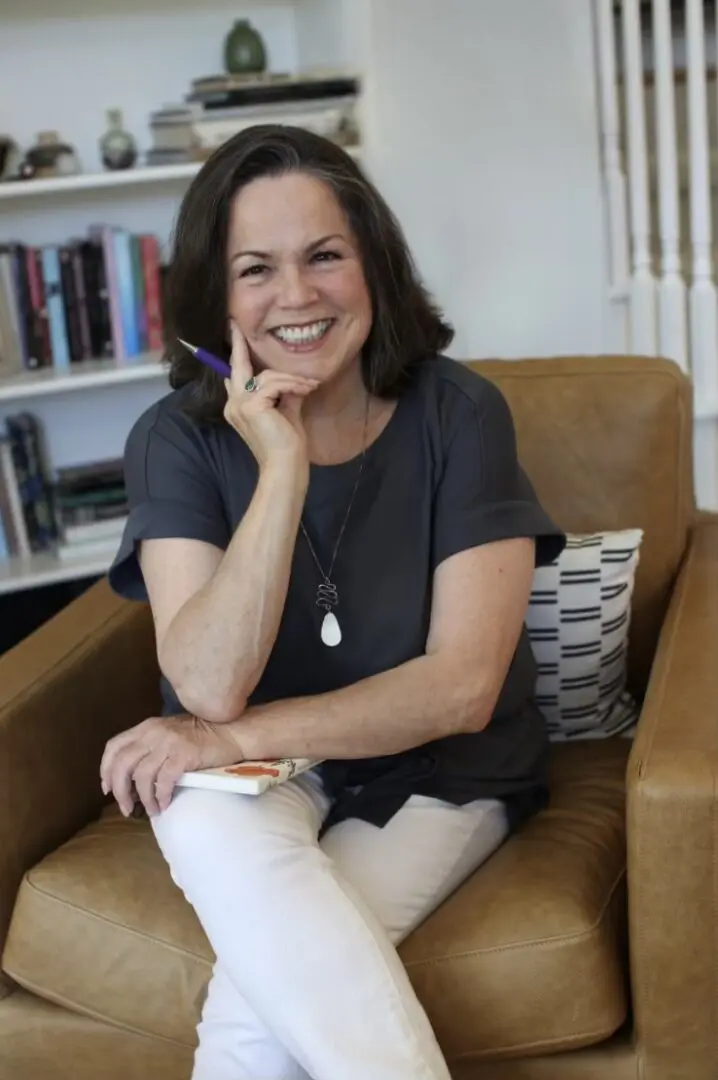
[578, 622]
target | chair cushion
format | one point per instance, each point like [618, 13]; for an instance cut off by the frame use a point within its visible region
[528, 955]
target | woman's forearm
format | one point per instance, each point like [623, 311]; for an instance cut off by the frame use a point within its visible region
[217, 646]
[422, 700]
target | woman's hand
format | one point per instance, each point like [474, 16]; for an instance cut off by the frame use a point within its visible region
[269, 419]
[150, 758]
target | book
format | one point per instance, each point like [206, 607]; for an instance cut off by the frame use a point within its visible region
[247, 777]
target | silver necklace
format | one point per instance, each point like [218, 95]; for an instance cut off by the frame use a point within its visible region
[327, 593]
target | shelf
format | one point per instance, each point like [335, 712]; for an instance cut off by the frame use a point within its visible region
[84, 375]
[45, 568]
[141, 176]
[145, 175]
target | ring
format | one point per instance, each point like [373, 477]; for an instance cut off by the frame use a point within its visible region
[251, 385]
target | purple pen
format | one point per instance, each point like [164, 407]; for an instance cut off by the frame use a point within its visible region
[208, 358]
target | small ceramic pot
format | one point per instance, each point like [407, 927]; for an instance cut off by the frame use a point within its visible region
[118, 149]
[244, 52]
[51, 157]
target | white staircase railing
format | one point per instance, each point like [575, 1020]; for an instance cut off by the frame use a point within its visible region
[661, 259]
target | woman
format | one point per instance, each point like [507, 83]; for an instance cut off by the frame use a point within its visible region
[337, 544]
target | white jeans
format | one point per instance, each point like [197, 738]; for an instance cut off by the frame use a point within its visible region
[307, 980]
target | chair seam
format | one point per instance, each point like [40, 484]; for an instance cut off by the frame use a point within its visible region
[568, 939]
[81, 1010]
[141, 935]
[566, 1043]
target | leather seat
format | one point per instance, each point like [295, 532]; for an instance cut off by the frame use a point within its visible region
[528, 956]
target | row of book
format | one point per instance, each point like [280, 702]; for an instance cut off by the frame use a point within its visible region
[79, 512]
[92, 298]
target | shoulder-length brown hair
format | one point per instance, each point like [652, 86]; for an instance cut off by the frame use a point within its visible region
[406, 326]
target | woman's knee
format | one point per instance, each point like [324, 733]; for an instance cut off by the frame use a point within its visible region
[214, 830]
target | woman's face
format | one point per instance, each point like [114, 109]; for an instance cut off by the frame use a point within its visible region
[296, 282]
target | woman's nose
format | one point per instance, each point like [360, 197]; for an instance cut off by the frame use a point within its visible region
[295, 288]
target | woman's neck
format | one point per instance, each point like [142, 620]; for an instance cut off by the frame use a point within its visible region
[341, 400]
[342, 418]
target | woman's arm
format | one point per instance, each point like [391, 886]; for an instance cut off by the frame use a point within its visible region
[217, 615]
[480, 597]
[479, 603]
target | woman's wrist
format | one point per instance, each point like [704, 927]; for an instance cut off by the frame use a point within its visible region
[286, 473]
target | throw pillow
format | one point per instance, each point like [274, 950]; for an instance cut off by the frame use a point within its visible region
[578, 621]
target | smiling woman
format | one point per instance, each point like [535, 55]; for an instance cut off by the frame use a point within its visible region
[337, 543]
[348, 250]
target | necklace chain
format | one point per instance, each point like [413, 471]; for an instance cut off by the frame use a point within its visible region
[327, 596]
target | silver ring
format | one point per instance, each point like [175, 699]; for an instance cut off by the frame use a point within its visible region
[251, 385]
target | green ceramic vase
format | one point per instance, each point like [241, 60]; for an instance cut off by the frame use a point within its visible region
[244, 52]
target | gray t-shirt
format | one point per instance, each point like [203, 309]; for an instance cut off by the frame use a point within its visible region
[442, 477]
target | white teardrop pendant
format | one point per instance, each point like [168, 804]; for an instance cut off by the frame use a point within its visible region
[331, 632]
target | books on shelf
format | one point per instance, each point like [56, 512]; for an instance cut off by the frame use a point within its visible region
[27, 519]
[77, 514]
[219, 107]
[95, 297]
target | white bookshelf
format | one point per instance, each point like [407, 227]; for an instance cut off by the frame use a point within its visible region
[85, 375]
[95, 181]
[46, 568]
[140, 176]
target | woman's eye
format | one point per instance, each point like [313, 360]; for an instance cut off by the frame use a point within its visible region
[253, 271]
[326, 256]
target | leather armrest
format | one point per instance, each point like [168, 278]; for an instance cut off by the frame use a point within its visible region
[672, 839]
[88, 673]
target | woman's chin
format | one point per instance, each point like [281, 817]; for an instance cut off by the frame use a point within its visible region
[315, 364]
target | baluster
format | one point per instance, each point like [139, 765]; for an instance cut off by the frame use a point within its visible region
[614, 180]
[703, 304]
[643, 284]
[672, 314]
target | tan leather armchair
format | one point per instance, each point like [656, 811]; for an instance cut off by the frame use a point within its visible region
[586, 948]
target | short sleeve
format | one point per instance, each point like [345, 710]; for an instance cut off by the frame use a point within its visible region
[484, 493]
[172, 491]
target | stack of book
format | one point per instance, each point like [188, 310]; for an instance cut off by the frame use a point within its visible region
[80, 513]
[219, 106]
[92, 298]
[91, 509]
[27, 517]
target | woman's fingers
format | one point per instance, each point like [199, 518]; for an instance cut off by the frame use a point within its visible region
[145, 779]
[168, 774]
[273, 384]
[273, 388]
[239, 361]
[122, 780]
[113, 747]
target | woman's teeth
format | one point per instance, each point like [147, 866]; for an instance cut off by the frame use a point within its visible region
[302, 335]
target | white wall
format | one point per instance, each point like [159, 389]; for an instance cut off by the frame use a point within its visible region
[482, 133]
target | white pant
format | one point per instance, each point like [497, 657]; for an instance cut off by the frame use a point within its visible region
[307, 980]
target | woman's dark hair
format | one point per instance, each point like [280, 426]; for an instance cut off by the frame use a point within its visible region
[406, 326]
